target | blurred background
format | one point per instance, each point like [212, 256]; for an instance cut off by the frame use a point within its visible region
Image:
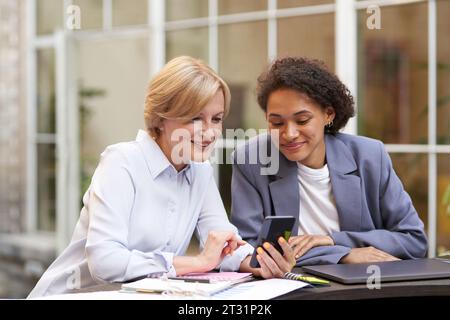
[65, 94]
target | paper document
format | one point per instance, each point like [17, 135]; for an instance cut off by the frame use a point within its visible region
[177, 286]
[110, 295]
[260, 290]
[253, 290]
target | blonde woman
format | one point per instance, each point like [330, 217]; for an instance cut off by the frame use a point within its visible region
[147, 197]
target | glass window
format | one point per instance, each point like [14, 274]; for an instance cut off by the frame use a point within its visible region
[240, 68]
[236, 6]
[186, 9]
[443, 72]
[126, 14]
[301, 3]
[191, 42]
[111, 99]
[314, 37]
[91, 13]
[392, 75]
[46, 188]
[412, 169]
[49, 16]
[443, 204]
[46, 94]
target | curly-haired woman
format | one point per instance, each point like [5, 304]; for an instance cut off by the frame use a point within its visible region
[349, 203]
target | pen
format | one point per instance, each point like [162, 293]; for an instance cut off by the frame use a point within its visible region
[187, 279]
[311, 280]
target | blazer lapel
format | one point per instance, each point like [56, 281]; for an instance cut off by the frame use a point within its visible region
[345, 182]
[284, 190]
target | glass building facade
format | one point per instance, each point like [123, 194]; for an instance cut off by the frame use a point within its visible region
[65, 94]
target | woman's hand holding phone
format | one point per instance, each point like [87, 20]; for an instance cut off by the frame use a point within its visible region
[273, 264]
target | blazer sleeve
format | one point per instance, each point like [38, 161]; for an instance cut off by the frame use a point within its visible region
[403, 233]
[247, 212]
[323, 255]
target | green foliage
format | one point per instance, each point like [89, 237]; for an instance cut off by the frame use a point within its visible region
[85, 95]
[446, 200]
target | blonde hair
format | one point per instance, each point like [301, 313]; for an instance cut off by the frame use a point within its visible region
[180, 91]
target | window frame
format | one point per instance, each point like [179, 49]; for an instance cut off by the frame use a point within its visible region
[66, 135]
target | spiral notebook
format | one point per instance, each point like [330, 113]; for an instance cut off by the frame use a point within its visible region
[211, 277]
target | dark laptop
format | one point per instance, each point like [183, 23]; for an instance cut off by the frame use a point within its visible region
[403, 270]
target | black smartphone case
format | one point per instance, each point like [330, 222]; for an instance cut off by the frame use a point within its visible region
[273, 227]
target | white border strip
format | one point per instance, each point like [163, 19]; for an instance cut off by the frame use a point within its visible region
[31, 158]
[305, 11]
[45, 138]
[391, 148]
[116, 33]
[417, 148]
[107, 14]
[272, 31]
[61, 141]
[251, 16]
[213, 35]
[73, 141]
[213, 54]
[432, 157]
[346, 53]
[42, 42]
[157, 40]
[384, 3]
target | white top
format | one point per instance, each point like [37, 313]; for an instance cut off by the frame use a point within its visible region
[138, 213]
[318, 213]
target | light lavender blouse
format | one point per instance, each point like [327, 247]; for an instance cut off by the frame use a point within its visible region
[138, 213]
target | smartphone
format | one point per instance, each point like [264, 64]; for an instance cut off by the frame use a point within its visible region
[273, 228]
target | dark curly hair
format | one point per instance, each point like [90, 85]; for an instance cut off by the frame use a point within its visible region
[312, 78]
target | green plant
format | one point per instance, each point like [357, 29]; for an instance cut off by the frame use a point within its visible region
[441, 102]
[446, 200]
[85, 95]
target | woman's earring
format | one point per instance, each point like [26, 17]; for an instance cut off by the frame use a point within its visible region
[330, 124]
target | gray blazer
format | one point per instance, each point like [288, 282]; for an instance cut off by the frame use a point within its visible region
[374, 209]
